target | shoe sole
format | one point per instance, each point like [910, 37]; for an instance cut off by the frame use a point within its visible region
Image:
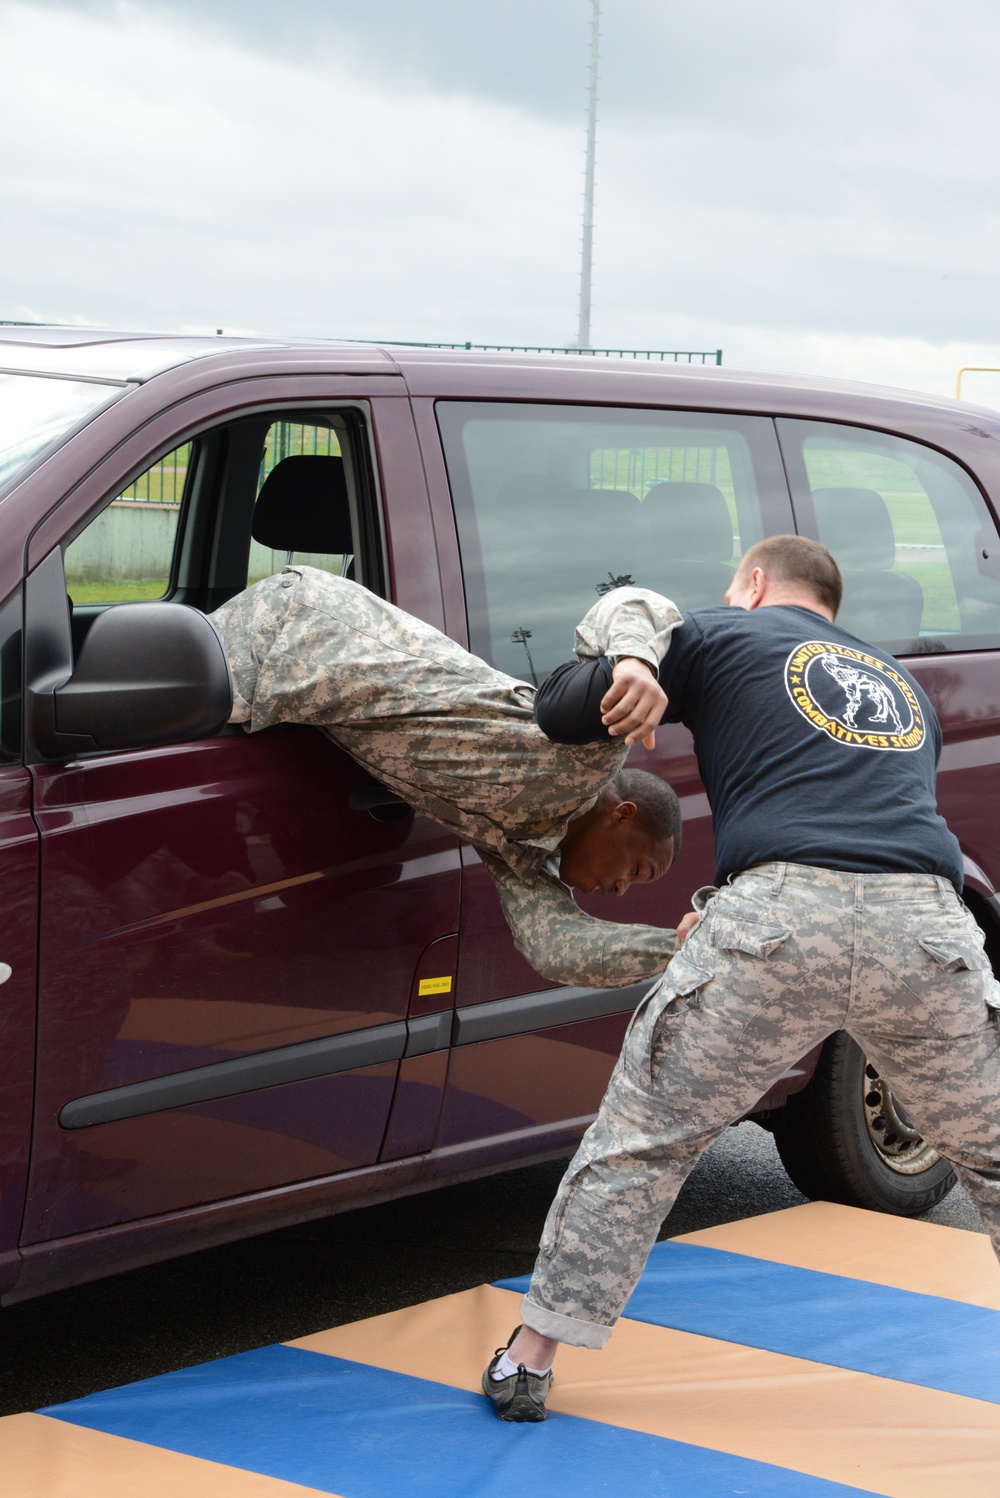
[522, 1410]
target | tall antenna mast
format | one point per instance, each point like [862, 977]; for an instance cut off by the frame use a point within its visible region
[583, 330]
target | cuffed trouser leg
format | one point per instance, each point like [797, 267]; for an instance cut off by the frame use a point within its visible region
[604, 1220]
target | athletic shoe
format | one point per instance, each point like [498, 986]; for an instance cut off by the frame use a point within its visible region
[521, 1396]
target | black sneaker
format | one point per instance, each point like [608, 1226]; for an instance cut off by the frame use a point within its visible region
[521, 1396]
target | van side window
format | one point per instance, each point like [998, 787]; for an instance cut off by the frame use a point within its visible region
[555, 505]
[305, 503]
[126, 552]
[915, 542]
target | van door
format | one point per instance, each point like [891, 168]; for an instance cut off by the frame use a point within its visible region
[555, 505]
[230, 929]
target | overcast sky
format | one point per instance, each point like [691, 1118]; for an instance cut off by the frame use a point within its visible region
[808, 187]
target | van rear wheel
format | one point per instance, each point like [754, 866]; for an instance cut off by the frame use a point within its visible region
[844, 1138]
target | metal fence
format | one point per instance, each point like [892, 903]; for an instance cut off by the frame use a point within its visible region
[663, 356]
[163, 483]
[290, 439]
[640, 468]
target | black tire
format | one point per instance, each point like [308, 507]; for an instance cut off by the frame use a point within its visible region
[842, 1139]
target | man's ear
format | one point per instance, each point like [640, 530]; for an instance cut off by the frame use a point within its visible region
[758, 581]
[624, 811]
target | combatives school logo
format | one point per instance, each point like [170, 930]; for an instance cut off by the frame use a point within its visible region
[855, 698]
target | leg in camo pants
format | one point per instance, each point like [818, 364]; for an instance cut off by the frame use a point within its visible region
[783, 956]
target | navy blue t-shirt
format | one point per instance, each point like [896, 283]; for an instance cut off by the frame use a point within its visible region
[813, 746]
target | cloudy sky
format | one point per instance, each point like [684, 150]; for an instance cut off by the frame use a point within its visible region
[808, 187]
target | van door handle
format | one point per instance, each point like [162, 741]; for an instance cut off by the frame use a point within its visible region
[364, 797]
[379, 802]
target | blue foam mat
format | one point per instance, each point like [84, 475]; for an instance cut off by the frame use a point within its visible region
[362, 1432]
[826, 1318]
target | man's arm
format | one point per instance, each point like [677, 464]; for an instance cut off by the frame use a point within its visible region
[632, 628]
[585, 701]
[568, 702]
[633, 622]
[565, 944]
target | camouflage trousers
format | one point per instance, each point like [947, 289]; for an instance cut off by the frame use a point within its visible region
[782, 957]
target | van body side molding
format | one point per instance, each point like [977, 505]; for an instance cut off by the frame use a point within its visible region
[202, 1084]
[358, 1048]
[542, 1011]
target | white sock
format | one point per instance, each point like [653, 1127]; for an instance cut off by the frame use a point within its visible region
[506, 1368]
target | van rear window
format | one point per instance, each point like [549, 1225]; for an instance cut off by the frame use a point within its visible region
[914, 539]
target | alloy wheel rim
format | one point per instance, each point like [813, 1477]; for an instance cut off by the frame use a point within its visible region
[898, 1144]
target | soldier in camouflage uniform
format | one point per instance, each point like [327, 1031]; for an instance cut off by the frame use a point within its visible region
[838, 911]
[458, 741]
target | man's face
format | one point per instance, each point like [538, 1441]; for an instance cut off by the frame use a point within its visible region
[610, 856]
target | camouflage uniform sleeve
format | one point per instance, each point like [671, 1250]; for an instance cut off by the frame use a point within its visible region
[565, 944]
[628, 621]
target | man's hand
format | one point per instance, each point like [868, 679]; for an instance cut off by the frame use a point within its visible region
[634, 703]
[686, 925]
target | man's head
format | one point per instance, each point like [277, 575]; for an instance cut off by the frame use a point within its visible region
[787, 569]
[631, 835]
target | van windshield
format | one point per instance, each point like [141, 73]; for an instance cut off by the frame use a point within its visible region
[36, 410]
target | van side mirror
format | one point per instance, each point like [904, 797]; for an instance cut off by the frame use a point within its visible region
[148, 673]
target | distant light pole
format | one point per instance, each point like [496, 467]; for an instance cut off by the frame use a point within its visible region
[521, 637]
[583, 330]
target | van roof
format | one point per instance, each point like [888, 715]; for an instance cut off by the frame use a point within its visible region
[127, 357]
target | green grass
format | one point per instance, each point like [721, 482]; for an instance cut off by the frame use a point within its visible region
[913, 521]
[128, 591]
[913, 518]
[940, 603]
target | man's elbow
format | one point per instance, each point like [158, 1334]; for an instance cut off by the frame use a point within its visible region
[564, 963]
[559, 957]
[551, 963]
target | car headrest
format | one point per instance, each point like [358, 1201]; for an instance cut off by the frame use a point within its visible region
[696, 525]
[524, 490]
[303, 506]
[855, 525]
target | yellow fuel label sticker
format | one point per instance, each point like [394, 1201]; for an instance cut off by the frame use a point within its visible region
[433, 985]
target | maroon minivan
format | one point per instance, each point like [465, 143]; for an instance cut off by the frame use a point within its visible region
[242, 984]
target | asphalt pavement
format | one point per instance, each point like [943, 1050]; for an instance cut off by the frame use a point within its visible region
[344, 1268]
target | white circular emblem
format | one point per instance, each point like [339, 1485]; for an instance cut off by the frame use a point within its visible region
[853, 697]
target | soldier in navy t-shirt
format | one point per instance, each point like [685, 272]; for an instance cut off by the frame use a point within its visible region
[813, 747]
[838, 909]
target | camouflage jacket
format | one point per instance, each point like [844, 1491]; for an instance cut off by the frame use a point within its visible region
[454, 738]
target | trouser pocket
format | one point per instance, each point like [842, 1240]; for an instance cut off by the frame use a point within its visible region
[958, 978]
[659, 1018]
